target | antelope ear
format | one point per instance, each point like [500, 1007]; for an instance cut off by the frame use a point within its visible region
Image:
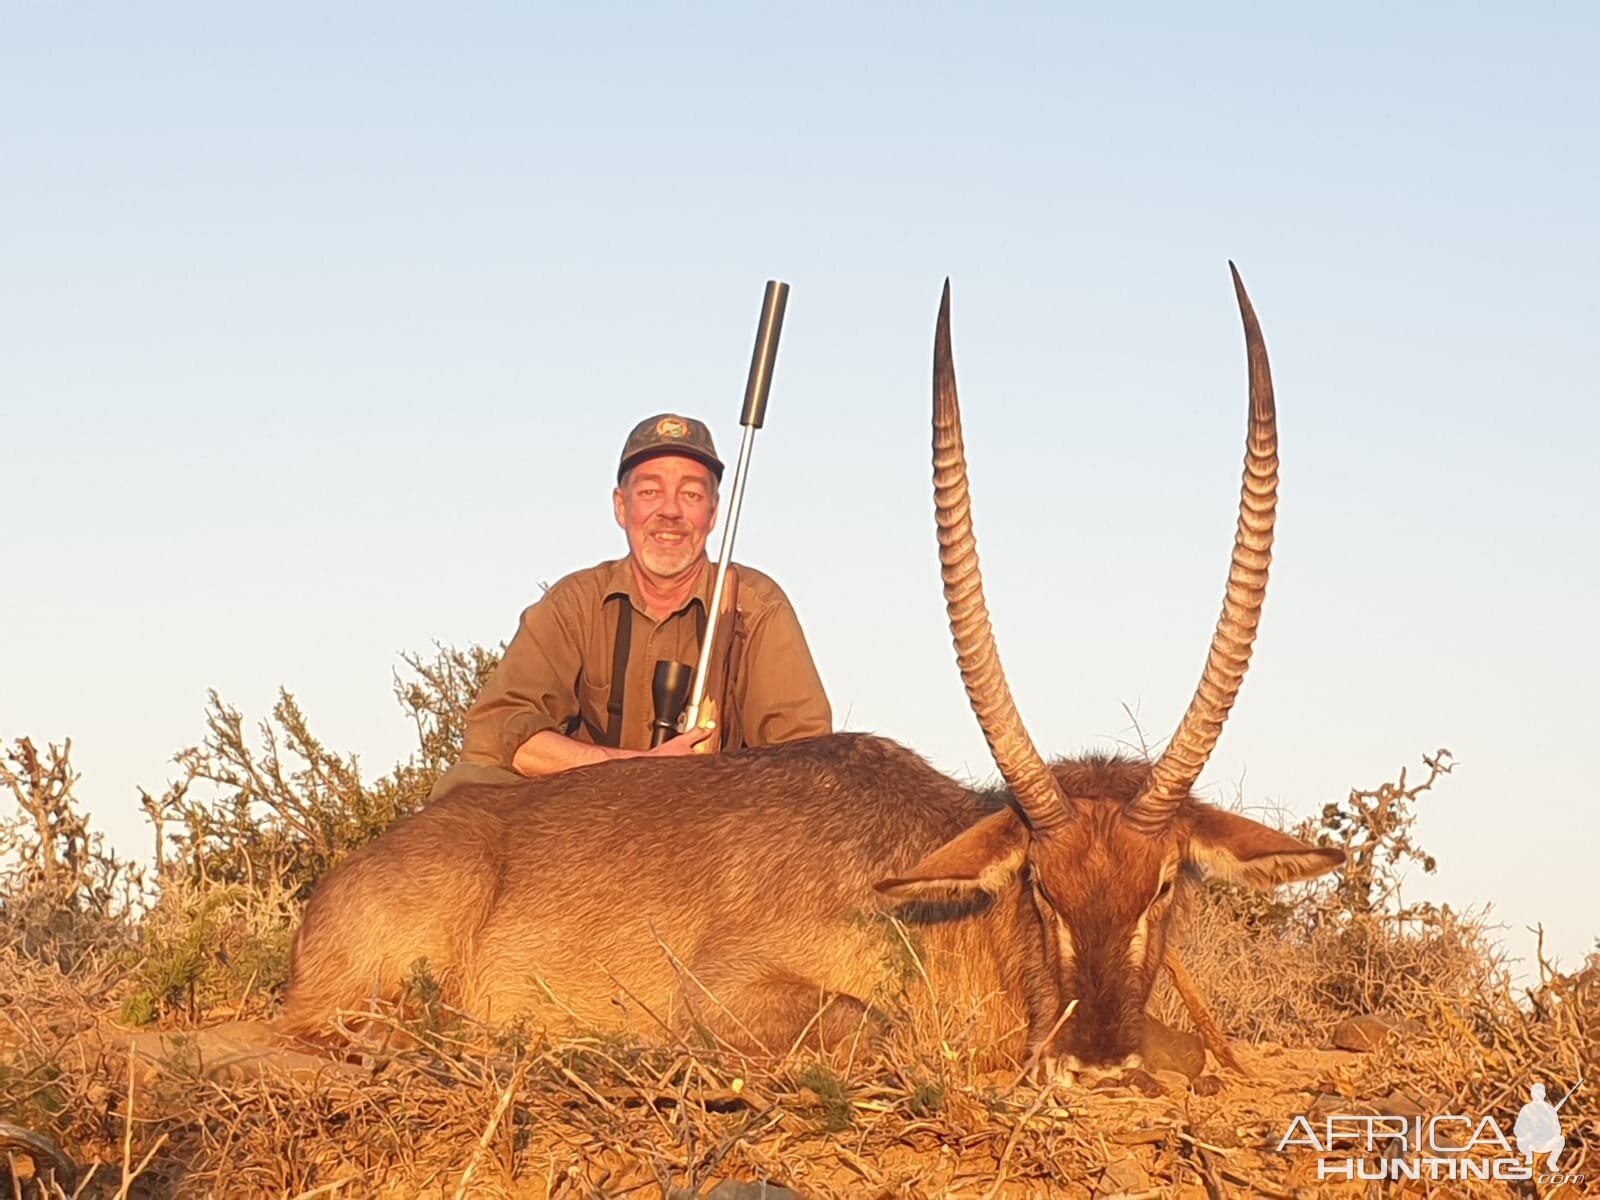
[1234, 848]
[983, 858]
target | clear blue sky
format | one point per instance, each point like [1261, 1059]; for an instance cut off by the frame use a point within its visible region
[322, 325]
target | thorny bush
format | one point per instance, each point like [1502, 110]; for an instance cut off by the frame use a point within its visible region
[240, 837]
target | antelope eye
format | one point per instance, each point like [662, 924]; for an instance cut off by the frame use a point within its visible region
[1163, 891]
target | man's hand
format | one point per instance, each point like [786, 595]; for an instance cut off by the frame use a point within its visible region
[684, 743]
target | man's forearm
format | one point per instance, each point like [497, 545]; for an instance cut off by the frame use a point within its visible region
[547, 752]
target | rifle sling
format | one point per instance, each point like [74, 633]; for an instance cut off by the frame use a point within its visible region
[619, 672]
[619, 665]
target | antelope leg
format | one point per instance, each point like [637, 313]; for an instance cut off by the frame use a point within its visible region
[1210, 1032]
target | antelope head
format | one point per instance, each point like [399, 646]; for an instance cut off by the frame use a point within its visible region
[1090, 855]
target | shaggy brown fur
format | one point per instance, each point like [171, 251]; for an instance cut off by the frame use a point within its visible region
[745, 892]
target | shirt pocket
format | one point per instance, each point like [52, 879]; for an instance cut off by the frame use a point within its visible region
[593, 697]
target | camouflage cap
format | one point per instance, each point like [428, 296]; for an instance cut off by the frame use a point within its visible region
[667, 433]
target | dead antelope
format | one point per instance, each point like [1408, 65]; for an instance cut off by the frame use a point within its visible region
[761, 894]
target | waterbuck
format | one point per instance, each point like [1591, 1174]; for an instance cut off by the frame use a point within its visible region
[793, 894]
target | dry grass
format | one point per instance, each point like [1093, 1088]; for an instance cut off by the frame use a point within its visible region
[88, 946]
[589, 1117]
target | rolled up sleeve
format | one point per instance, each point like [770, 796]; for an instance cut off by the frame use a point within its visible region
[533, 689]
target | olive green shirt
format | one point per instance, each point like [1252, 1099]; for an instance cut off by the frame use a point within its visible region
[556, 673]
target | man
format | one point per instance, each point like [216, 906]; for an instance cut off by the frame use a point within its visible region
[556, 700]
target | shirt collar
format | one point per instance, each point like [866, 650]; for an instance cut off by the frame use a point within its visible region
[620, 581]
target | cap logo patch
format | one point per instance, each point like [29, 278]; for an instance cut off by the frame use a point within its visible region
[671, 427]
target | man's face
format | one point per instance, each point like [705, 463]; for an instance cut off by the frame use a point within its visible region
[667, 507]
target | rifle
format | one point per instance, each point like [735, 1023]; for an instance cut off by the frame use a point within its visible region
[699, 712]
[1570, 1090]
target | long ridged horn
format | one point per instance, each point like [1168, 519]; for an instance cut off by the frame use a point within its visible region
[1025, 772]
[1185, 757]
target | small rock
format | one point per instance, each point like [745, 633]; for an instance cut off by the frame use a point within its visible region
[1207, 1085]
[1124, 1177]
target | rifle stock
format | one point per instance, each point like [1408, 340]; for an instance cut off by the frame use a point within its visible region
[720, 665]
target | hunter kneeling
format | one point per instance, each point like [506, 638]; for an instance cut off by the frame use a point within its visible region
[575, 686]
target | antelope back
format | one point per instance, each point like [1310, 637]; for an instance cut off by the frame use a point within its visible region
[564, 893]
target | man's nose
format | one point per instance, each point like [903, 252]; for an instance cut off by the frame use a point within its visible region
[669, 505]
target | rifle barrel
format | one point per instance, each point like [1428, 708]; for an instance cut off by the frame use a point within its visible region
[774, 303]
[765, 354]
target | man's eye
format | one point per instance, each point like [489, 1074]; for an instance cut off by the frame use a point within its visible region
[647, 493]
[693, 497]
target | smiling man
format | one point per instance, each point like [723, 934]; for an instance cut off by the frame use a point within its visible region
[574, 685]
